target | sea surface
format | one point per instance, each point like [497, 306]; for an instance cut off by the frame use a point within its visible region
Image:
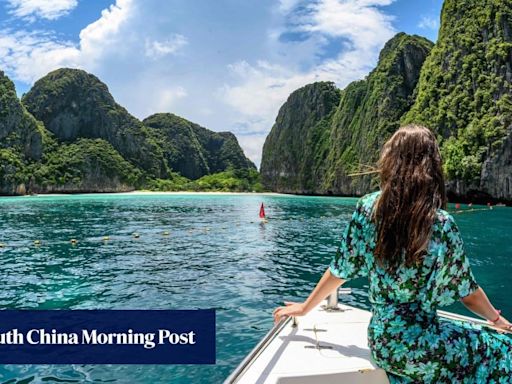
[217, 255]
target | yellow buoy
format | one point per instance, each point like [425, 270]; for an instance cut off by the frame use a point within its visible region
[136, 235]
[37, 242]
[2, 245]
[166, 233]
[106, 238]
[73, 241]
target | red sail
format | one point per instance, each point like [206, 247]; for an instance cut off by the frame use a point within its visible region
[262, 211]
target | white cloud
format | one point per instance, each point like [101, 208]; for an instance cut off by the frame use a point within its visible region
[428, 22]
[357, 20]
[165, 99]
[260, 89]
[287, 5]
[103, 35]
[27, 56]
[46, 9]
[156, 49]
[252, 145]
[220, 80]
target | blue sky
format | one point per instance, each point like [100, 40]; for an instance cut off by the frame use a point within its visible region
[224, 64]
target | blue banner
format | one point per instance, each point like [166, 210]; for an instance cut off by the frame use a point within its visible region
[107, 337]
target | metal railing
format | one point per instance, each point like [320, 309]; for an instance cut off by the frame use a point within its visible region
[333, 298]
[256, 351]
[471, 320]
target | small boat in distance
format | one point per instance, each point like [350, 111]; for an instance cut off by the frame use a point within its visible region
[262, 213]
[329, 345]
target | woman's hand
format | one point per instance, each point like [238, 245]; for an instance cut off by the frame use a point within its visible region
[503, 324]
[327, 284]
[290, 309]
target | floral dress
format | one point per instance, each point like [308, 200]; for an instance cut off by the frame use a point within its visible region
[405, 336]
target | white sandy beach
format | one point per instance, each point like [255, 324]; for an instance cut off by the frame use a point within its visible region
[147, 193]
[144, 192]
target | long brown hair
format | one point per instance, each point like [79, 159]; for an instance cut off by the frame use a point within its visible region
[412, 189]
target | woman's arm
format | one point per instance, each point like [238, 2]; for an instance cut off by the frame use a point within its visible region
[325, 286]
[478, 303]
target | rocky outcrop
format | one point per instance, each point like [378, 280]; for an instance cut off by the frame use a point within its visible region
[83, 141]
[194, 151]
[298, 139]
[86, 165]
[322, 134]
[461, 90]
[74, 104]
[21, 140]
[18, 129]
[369, 113]
[465, 96]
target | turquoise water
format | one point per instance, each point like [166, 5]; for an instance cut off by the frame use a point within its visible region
[217, 255]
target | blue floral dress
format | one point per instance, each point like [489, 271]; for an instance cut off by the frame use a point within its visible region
[405, 336]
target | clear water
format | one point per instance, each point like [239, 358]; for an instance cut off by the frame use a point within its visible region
[217, 255]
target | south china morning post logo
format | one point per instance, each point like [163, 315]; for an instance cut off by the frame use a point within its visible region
[107, 337]
[147, 340]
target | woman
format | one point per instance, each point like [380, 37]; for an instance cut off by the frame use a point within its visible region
[411, 250]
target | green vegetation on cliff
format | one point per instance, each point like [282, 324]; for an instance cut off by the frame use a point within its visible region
[232, 180]
[74, 104]
[321, 134]
[370, 111]
[21, 139]
[461, 89]
[298, 140]
[194, 151]
[83, 141]
[85, 165]
[465, 91]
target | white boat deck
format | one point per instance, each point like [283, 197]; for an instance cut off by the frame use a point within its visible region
[326, 346]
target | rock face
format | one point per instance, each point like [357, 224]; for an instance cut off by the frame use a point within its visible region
[194, 151]
[21, 139]
[83, 141]
[74, 104]
[465, 96]
[294, 146]
[369, 113]
[322, 134]
[461, 90]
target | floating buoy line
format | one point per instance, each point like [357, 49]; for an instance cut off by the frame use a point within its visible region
[102, 239]
[469, 210]
[38, 243]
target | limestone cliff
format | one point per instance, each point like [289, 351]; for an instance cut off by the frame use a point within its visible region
[83, 141]
[21, 139]
[194, 151]
[322, 134]
[74, 104]
[465, 96]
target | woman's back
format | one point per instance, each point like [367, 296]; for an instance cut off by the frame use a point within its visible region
[442, 277]
[405, 335]
[411, 251]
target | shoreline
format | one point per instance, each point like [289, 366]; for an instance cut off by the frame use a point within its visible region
[148, 193]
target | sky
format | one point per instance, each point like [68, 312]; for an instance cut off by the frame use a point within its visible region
[227, 65]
